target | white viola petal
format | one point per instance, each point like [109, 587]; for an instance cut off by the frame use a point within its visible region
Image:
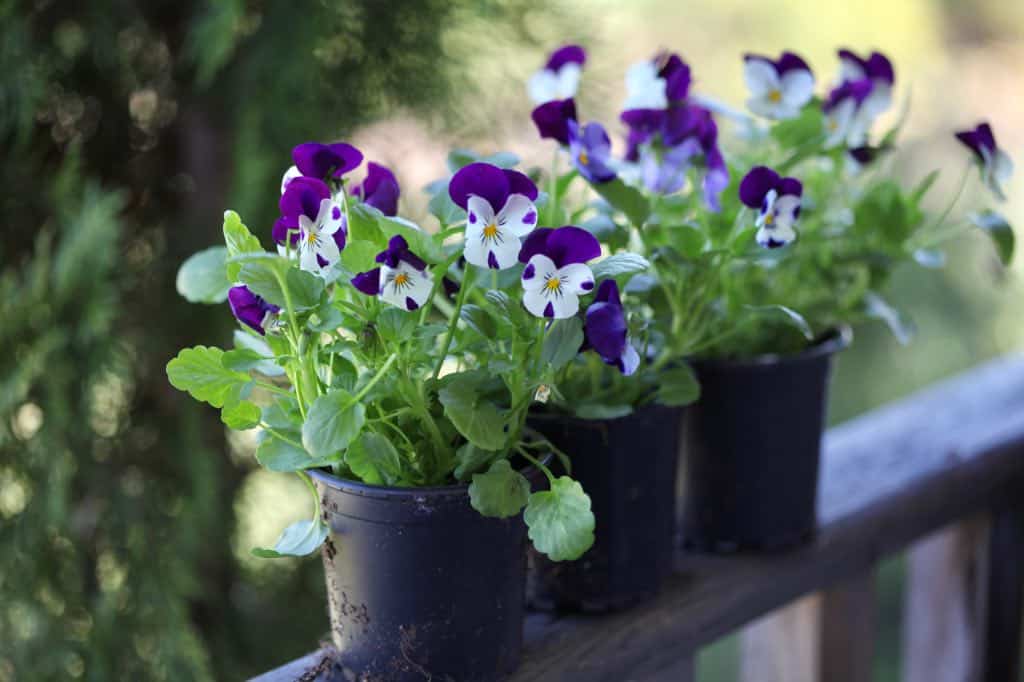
[797, 87]
[404, 221]
[288, 176]
[773, 238]
[644, 89]
[837, 122]
[329, 217]
[479, 212]
[762, 106]
[542, 86]
[630, 360]
[850, 70]
[767, 208]
[404, 286]
[786, 211]
[577, 277]
[760, 77]
[1002, 166]
[538, 270]
[561, 307]
[878, 102]
[328, 250]
[518, 217]
[535, 301]
[568, 78]
[307, 256]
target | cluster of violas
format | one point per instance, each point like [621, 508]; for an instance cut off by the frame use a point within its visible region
[500, 232]
[669, 131]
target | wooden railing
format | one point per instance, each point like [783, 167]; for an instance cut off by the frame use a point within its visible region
[940, 473]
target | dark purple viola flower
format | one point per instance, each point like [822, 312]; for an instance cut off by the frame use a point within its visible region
[402, 278]
[876, 67]
[250, 309]
[591, 151]
[779, 88]
[379, 189]
[849, 112]
[778, 201]
[490, 183]
[320, 161]
[552, 119]
[560, 77]
[556, 275]
[302, 196]
[996, 165]
[676, 73]
[653, 86]
[606, 331]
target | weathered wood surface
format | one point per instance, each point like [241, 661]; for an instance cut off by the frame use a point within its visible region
[889, 478]
[782, 646]
[1004, 601]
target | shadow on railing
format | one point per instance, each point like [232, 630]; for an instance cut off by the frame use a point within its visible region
[940, 472]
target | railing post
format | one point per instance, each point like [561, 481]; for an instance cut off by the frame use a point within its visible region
[847, 624]
[782, 646]
[1005, 598]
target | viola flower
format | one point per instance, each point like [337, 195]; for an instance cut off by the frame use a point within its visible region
[657, 83]
[250, 309]
[316, 224]
[320, 161]
[995, 164]
[499, 212]
[591, 151]
[560, 77]
[844, 123]
[780, 88]
[552, 119]
[878, 70]
[778, 200]
[606, 332]
[402, 278]
[555, 275]
[379, 189]
[289, 175]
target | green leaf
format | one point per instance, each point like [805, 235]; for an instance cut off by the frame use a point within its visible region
[276, 454]
[799, 131]
[923, 187]
[782, 314]
[471, 460]
[560, 522]
[421, 243]
[688, 240]
[245, 340]
[332, 423]
[200, 371]
[374, 459]
[562, 342]
[501, 492]
[359, 256]
[627, 199]
[242, 359]
[479, 320]
[261, 276]
[283, 414]
[1000, 231]
[598, 411]
[620, 264]
[678, 386]
[202, 278]
[362, 226]
[477, 419]
[601, 226]
[238, 240]
[396, 325]
[299, 539]
[444, 209]
[901, 326]
[930, 258]
[240, 415]
[305, 289]
[509, 310]
[459, 158]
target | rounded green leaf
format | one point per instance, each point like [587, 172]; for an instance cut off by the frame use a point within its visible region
[999, 230]
[333, 422]
[563, 342]
[200, 371]
[501, 492]
[374, 459]
[299, 539]
[620, 264]
[678, 386]
[241, 415]
[561, 524]
[202, 278]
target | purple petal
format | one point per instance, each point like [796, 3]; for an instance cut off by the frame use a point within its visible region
[549, 310]
[340, 238]
[530, 218]
[320, 160]
[858, 90]
[535, 242]
[552, 119]
[791, 62]
[608, 292]
[878, 67]
[643, 120]
[410, 304]
[676, 73]
[750, 57]
[519, 183]
[756, 184]
[849, 55]
[302, 196]
[715, 180]
[379, 189]
[368, 282]
[790, 186]
[864, 155]
[450, 287]
[482, 179]
[492, 261]
[570, 244]
[567, 54]
[280, 231]
[529, 271]
[248, 308]
[605, 329]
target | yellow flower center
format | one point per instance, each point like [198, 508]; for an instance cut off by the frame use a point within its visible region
[584, 159]
[311, 238]
[491, 231]
[832, 126]
[775, 96]
[769, 219]
[553, 284]
[401, 279]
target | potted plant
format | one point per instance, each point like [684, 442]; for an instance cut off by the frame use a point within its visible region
[762, 251]
[391, 372]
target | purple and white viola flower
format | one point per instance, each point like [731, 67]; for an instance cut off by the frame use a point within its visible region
[780, 88]
[778, 201]
[321, 161]
[556, 274]
[402, 279]
[657, 83]
[844, 123]
[591, 151]
[606, 332]
[379, 189]
[289, 175]
[499, 212]
[560, 77]
[878, 70]
[251, 310]
[995, 164]
[312, 222]
[552, 119]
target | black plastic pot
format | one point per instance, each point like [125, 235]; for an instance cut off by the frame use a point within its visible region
[420, 585]
[751, 449]
[628, 468]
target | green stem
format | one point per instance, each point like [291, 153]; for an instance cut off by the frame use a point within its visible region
[537, 463]
[376, 377]
[272, 388]
[956, 197]
[280, 436]
[312, 488]
[446, 346]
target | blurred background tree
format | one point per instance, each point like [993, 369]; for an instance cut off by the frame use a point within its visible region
[126, 517]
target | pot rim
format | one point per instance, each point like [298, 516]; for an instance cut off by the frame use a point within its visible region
[395, 492]
[836, 339]
[550, 415]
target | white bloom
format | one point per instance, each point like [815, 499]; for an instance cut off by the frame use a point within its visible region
[644, 88]
[405, 286]
[546, 85]
[777, 219]
[316, 238]
[996, 170]
[493, 240]
[773, 95]
[553, 292]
